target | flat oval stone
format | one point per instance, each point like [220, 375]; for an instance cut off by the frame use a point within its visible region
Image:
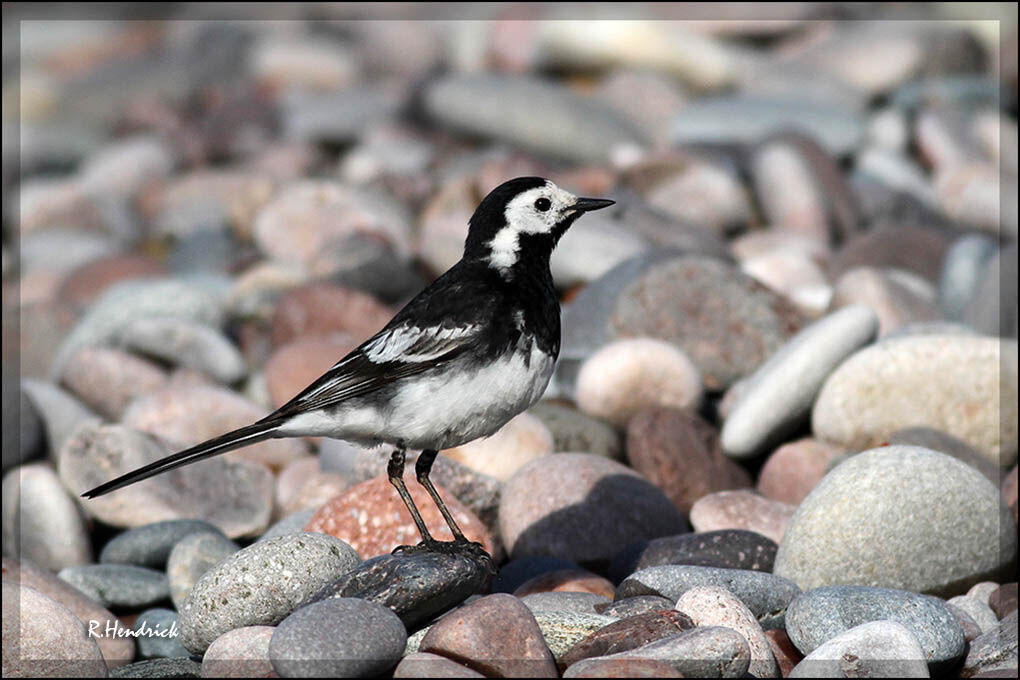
[713, 606]
[118, 585]
[816, 616]
[766, 595]
[580, 603]
[742, 509]
[627, 634]
[109, 379]
[188, 344]
[880, 649]
[306, 644]
[417, 587]
[725, 549]
[634, 606]
[944, 525]
[150, 545]
[239, 653]
[262, 584]
[780, 393]
[940, 381]
[709, 652]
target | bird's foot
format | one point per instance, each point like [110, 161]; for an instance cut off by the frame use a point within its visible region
[470, 549]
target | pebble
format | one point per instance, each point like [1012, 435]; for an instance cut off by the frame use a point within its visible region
[573, 430]
[992, 307]
[713, 606]
[993, 651]
[794, 469]
[1004, 600]
[742, 119]
[206, 198]
[190, 414]
[306, 644]
[127, 302]
[590, 248]
[971, 630]
[817, 616]
[317, 490]
[983, 591]
[286, 62]
[126, 166]
[515, 573]
[23, 442]
[494, 635]
[107, 379]
[766, 595]
[621, 667]
[709, 652]
[569, 602]
[150, 544]
[969, 192]
[41, 636]
[425, 665]
[878, 649]
[503, 107]
[626, 376]
[61, 250]
[788, 190]
[680, 453]
[61, 413]
[634, 606]
[725, 322]
[192, 556]
[627, 634]
[562, 630]
[294, 366]
[780, 393]
[982, 614]
[793, 275]
[941, 380]
[1009, 491]
[151, 626]
[264, 583]
[500, 455]
[702, 193]
[724, 549]
[894, 245]
[41, 522]
[897, 298]
[833, 538]
[567, 580]
[936, 440]
[188, 344]
[962, 268]
[324, 309]
[787, 656]
[742, 509]
[239, 653]
[416, 586]
[160, 668]
[581, 507]
[335, 117]
[236, 496]
[372, 518]
[118, 585]
[117, 651]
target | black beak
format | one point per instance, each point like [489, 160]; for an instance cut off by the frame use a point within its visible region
[586, 204]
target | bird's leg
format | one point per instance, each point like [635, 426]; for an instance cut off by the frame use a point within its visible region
[395, 471]
[460, 543]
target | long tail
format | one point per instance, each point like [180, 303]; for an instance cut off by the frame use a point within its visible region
[250, 434]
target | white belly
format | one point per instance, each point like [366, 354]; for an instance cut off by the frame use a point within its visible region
[440, 412]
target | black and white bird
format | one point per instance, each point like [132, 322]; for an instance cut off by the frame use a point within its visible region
[467, 354]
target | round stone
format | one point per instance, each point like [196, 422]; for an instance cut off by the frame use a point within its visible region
[725, 549]
[899, 517]
[150, 545]
[239, 653]
[262, 584]
[573, 430]
[574, 602]
[500, 455]
[714, 606]
[582, 507]
[879, 649]
[710, 651]
[188, 344]
[742, 509]
[628, 633]
[107, 380]
[118, 585]
[341, 638]
[939, 381]
[627, 375]
[794, 469]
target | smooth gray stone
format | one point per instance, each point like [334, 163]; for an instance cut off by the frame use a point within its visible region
[962, 269]
[993, 307]
[766, 595]
[118, 585]
[31, 437]
[188, 344]
[262, 584]
[341, 637]
[818, 615]
[150, 545]
[709, 652]
[416, 587]
[538, 115]
[191, 557]
[778, 396]
[291, 524]
[61, 249]
[574, 602]
[634, 606]
[334, 117]
[61, 413]
[982, 614]
[159, 635]
[995, 650]
[880, 649]
[747, 120]
[159, 668]
[573, 430]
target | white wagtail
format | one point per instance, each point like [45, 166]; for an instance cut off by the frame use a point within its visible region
[467, 354]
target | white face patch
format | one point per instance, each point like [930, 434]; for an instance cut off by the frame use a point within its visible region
[524, 215]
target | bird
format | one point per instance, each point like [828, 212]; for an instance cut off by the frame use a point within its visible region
[471, 351]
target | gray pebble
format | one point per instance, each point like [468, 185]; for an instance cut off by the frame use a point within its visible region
[634, 606]
[961, 273]
[563, 629]
[709, 652]
[159, 635]
[573, 430]
[186, 343]
[342, 637]
[293, 523]
[159, 668]
[191, 557]
[564, 601]
[982, 614]
[150, 544]
[60, 412]
[118, 585]
[880, 649]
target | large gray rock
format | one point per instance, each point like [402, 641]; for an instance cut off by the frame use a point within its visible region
[899, 517]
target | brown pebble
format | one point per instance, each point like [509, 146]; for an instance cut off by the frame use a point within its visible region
[323, 309]
[622, 668]
[787, 655]
[300, 362]
[627, 634]
[84, 285]
[743, 509]
[794, 469]
[1003, 601]
[567, 580]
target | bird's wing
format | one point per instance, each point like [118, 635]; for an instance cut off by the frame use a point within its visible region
[395, 352]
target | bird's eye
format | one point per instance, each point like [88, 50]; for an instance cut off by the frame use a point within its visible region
[543, 204]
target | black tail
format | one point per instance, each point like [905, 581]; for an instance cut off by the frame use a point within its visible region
[250, 434]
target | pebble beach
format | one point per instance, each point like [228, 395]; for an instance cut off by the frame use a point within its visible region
[781, 437]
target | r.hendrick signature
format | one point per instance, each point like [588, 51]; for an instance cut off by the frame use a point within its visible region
[116, 630]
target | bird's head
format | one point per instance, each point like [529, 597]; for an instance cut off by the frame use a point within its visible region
[520, 222]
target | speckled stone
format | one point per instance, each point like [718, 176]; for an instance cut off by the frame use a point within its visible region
[150, 545]
[264, 583]
[118, 585]
[742, 509]
[1004, 600]
[879, 649]
[726, 548]
[766, 595]
[239, 653]
[305, 644]
[834, 537]
[580, 603]
[627, 634]
[940, 381]
[562, 630]
[709, 652]
[291, 524]
[937, 440]
[160, 668]
[982, 614]
[159, 635]
[634, 606]
[995, 650]
[621, 667]
[714, 606]
[816, 616]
